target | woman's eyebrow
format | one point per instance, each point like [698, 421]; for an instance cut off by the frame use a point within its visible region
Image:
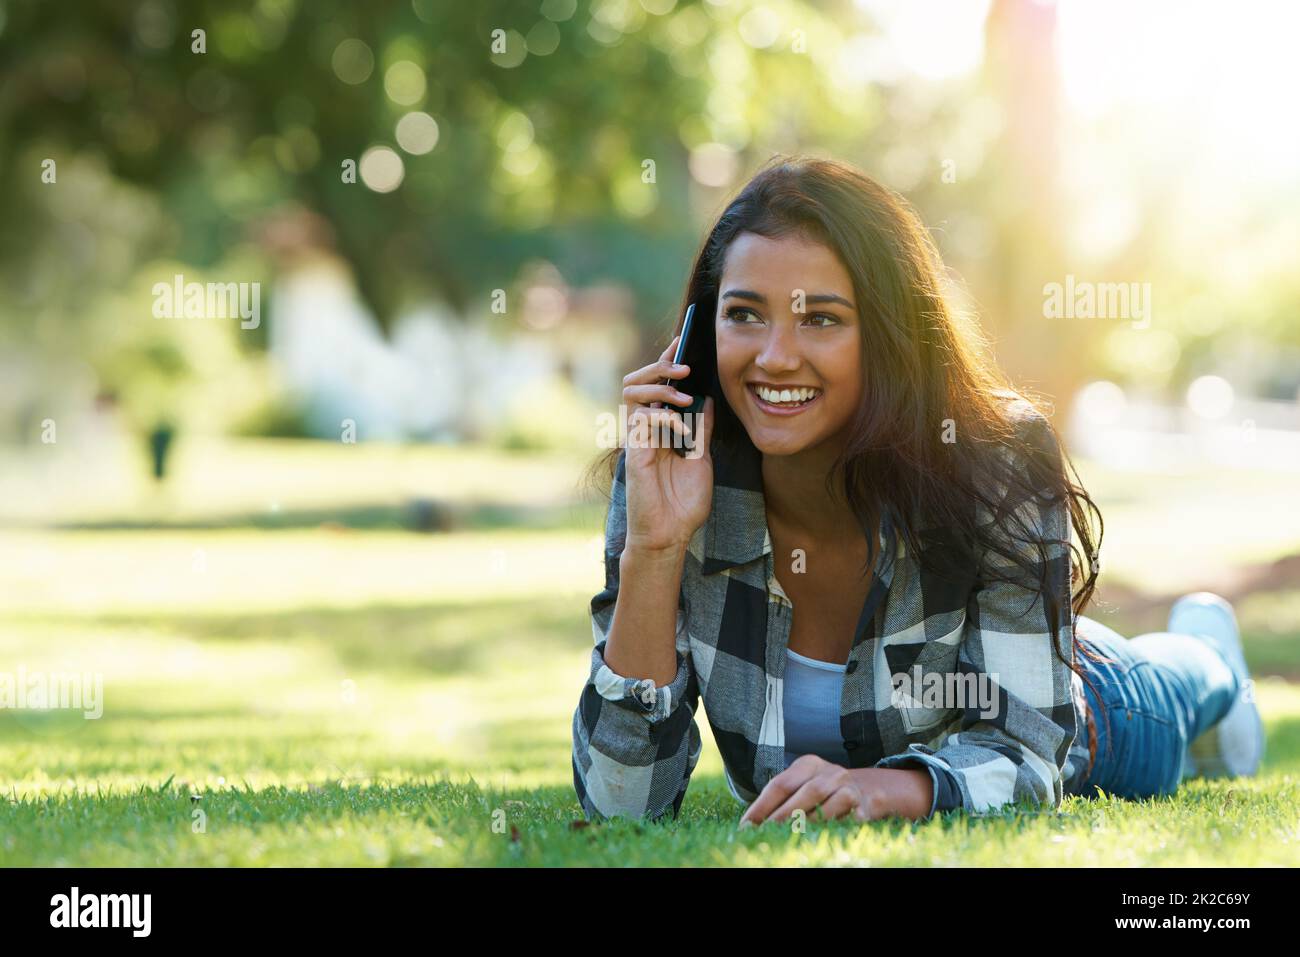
[815, 298]
[745, 294]
[827, 297]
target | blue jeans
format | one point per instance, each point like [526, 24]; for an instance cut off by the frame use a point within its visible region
[1162, 692]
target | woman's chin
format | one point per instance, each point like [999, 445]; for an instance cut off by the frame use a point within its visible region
[771, 441]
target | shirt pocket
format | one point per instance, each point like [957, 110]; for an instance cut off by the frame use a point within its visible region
[925, 705]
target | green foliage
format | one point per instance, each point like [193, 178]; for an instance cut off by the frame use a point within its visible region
[193, 372]
[554, 417]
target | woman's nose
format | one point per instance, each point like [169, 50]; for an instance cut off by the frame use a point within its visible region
[780, 352]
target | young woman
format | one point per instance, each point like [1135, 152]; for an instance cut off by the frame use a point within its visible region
[863, 567]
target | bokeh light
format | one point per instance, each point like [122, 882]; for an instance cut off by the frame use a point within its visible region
[404, 83]
[1210, 396]
[1101, 403]
[381, 169]
[353, 61]
[417, 133]
[713, 164]
[543, 39]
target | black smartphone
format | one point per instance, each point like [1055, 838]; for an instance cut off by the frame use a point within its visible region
[693, 384]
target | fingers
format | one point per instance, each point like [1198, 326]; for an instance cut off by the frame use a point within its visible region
[667, 354]
[654, 373]
[646, 394]
[808, 797]
[840, 804]
[649, 423]
[645, 389]
[815, 786]
[663, 368]
[778, 791]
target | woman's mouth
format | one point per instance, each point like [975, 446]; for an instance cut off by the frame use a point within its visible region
[783, 401]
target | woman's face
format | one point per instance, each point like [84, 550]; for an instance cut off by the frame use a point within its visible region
[764, 342]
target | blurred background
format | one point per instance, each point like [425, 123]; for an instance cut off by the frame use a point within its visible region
[340, 534]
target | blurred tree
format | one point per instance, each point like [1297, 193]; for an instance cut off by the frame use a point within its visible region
[598, 136]
[551, 131]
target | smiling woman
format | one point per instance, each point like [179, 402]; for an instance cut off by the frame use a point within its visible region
[877, 503]
[827, 336]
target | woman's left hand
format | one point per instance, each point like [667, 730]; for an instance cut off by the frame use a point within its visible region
[812, 783]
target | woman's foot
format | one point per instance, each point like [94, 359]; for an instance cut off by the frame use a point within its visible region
[1234, 746]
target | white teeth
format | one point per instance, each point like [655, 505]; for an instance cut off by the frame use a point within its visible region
[786, 395]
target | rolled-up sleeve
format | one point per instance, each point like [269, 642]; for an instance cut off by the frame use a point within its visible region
[635, 744]
[1018, 753]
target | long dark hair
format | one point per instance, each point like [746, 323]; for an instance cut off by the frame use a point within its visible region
[926, 375]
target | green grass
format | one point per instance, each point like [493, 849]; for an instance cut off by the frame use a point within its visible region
[371, 696]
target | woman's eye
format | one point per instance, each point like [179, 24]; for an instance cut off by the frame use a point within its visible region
[737, 314]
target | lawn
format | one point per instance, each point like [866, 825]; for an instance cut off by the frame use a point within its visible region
[291, 677]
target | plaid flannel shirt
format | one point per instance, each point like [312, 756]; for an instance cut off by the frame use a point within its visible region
[635, 745]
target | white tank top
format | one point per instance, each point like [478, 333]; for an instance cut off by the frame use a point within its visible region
[811, 697]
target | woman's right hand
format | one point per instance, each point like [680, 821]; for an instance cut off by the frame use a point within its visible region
[668, 495]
